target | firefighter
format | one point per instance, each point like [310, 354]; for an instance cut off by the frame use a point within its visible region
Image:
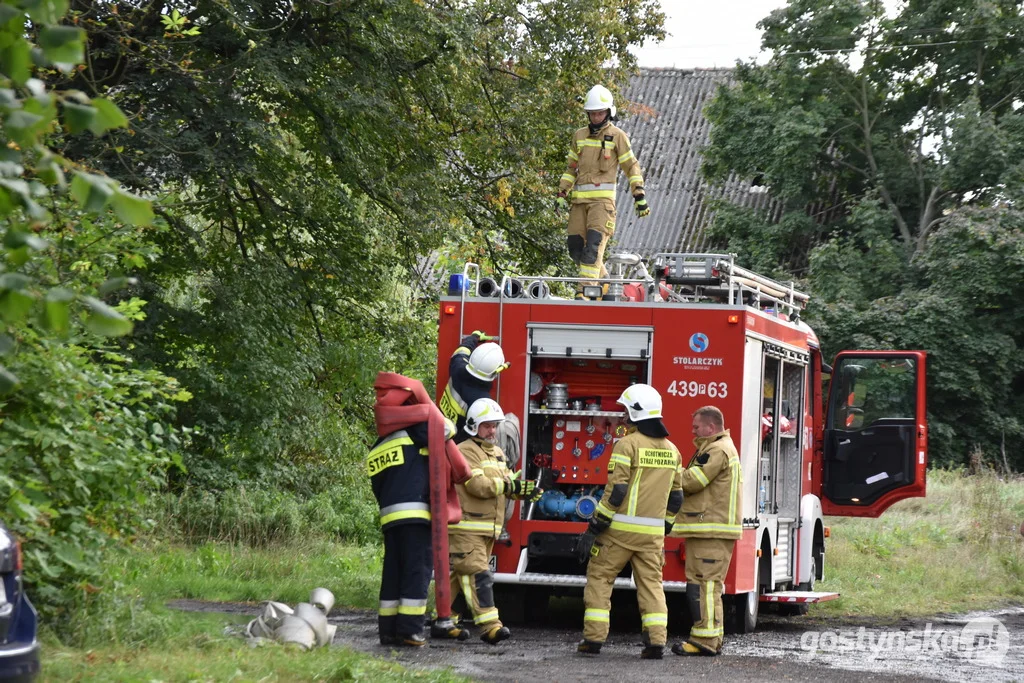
[587, 188]
[710, 522]
[472, 369]
[400, 478]
[635, 512]
[483, 516]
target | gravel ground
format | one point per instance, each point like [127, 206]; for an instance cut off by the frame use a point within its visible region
[804, 648]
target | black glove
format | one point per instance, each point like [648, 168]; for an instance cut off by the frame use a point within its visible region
[524, 489]
[598, 524]
[584, 544]
[640, 205]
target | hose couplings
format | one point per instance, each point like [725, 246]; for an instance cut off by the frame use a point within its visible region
[538, 290]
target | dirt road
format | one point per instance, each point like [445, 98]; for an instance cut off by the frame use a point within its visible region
[804, 648]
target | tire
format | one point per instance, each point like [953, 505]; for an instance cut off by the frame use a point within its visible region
[803, 607]
[746, 606]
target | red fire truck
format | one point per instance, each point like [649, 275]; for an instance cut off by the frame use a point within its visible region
[702, 331]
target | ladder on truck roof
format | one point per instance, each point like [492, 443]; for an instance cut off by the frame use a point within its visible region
[690, 278]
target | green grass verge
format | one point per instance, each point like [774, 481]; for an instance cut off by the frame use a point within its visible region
[958, 549]
[128, 634]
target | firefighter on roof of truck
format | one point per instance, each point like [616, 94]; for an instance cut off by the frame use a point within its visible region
[710, 521]
[473, 367]
[483, 516]
[587, 188]
[635, 512]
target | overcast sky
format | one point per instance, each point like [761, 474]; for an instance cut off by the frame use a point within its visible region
[706, 34]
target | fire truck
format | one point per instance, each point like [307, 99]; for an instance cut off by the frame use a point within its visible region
[701, 330]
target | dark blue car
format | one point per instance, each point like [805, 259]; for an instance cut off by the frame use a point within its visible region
[19, 650]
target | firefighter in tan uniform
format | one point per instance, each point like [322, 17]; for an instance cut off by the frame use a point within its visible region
[587, 188]
[710, 522]
[636, 510]
[483, 516]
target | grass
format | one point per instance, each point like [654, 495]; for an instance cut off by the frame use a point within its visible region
[128, 634]
[958, 549]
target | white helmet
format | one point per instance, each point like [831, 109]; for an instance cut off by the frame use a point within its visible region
[642, 401]
[599, 98]
[483, 410]
[486, 361]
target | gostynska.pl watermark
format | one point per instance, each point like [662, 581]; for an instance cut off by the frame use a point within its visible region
[984, 641]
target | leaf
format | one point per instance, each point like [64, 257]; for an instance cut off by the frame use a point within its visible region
[107, 116]
[15, 304]
[78, 117]
[14, 281]
[116, 283]
[63, 44]
[57, 309]
[20, 125]
[16, 61]
[6, 344]
[15, 239]
[8, 381]
[104, 320]
[45, 11]
[92, 192]
[132, 209]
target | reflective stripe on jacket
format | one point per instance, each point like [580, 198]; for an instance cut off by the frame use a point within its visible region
[483, 496]
[713, 487]
[462, 389]
[651, 469]
[593, 165]
[400, 477]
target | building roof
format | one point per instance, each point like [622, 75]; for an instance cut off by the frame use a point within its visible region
[667, 128]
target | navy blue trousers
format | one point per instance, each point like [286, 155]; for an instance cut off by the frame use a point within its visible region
[408, 566]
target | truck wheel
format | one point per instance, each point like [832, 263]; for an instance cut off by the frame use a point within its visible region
[745, 606]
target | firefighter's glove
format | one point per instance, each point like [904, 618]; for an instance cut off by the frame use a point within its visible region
[584, 546]
[598, 524]
[640, 205]
[483, 336]
[561, 204]
[524, 490]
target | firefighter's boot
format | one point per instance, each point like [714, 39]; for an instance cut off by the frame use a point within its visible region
[412, 640]
[448, 629]
[688, 649]
[652, 652]
[589, 647]
[496, 634]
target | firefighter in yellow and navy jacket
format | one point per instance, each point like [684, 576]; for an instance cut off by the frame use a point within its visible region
[710, 521]
[483, 515]
[635, 512]
[587, 188]
[472, 369]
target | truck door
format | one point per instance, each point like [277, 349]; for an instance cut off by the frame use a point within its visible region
[875, 446]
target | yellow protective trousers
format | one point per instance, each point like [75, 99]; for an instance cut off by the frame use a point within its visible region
[707, 563]
[606, 561]
[471, 576]
[591, 225]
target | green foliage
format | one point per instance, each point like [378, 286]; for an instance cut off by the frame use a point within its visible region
[894, 145]
[81, 450]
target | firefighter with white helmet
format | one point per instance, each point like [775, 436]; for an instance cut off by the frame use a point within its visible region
[710, 521]
[472, 369]
[483, 516]
[635, 512]
[587, 188]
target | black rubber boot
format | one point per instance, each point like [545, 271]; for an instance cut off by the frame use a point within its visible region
[652, 652]
[589, 647]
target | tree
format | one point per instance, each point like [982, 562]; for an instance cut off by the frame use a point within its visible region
[875, 131]
[308, 154]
